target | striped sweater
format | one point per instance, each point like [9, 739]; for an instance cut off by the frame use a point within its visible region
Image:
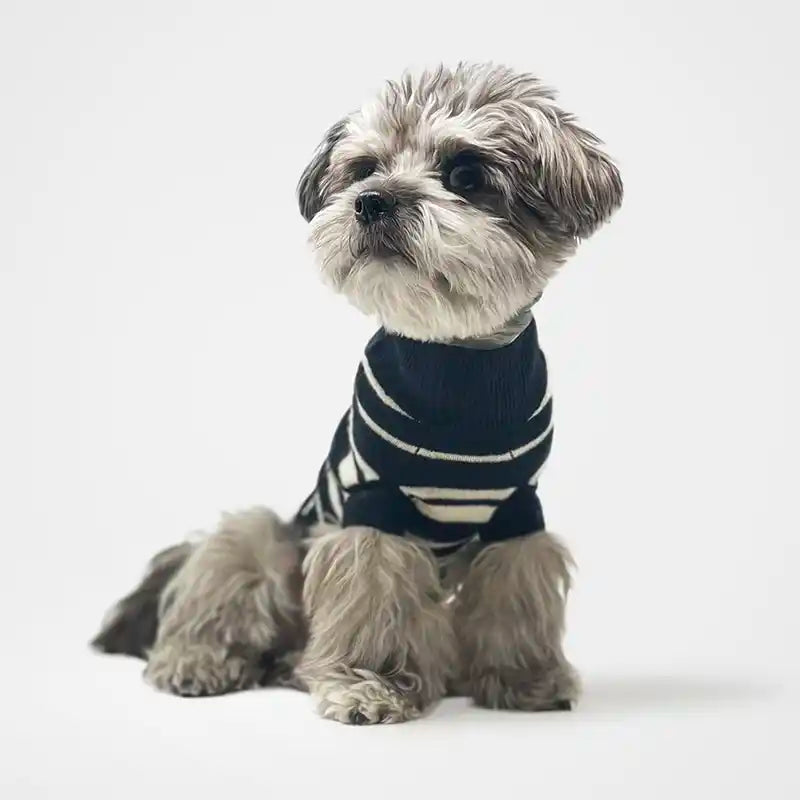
[442, 442]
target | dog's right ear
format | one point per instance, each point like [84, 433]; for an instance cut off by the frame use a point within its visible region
[309, 189]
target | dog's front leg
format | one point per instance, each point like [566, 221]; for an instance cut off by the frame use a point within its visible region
[509, 621]
[381, 645]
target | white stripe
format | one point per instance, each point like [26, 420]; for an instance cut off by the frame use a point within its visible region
[448, 493]
[545, 401]
[466, 513]
[347, 471]
[309, 505]
[333, 492]
[518, 451]
[378, 389]
[318, 507]
[535, 477]
[366, 470]
[488, 458]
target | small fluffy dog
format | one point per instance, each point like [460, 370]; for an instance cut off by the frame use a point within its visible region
[420, 565]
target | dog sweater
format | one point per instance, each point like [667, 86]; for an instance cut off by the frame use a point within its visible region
[442, 442]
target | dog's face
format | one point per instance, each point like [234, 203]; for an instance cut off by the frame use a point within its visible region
[446, 204]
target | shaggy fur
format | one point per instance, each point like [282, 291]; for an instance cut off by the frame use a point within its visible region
[381, 645]
[509, 619]
[130, 627]
[371, 628]
[232, 613]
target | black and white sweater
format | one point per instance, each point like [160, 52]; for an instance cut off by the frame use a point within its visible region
[442, 442]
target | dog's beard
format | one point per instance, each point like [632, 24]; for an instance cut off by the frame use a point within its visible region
[432, 272]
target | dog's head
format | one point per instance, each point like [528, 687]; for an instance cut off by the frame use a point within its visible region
[446, 204]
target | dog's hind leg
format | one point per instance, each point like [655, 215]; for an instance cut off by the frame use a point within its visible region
[509, 621]
[230, 616]
[381, 644]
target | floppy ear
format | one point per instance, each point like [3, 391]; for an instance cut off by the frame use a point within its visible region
[309, 193]
[580, 181]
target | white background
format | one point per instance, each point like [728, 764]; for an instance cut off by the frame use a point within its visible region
[163, 331]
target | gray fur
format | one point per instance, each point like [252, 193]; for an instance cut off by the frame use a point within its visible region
[368, 627]
[130, 627]
[381, 645]
[309, 195]
[232, 609]
[509, 619]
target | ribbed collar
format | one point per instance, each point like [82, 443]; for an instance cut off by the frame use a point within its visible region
[447, 384]
[502, 336]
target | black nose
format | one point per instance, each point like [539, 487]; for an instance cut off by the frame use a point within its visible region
[369, 206]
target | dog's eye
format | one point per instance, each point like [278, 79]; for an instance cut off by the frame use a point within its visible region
[467, 177]
[364, 168]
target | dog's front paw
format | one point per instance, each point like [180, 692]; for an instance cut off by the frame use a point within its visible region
[553, 689]
[199, 670]
[364, 700]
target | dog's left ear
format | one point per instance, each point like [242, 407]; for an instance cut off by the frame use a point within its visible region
[580, 182]
[309, 189]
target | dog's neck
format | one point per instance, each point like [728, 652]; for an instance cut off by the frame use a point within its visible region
[504, 335]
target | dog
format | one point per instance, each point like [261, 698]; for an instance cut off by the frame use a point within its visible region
[420, 565]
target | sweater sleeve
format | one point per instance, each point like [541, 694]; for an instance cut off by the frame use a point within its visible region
[519, 515]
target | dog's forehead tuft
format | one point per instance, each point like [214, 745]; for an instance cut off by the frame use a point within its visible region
[421, 112]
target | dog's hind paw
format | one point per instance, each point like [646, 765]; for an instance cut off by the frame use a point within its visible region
[200, 670]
